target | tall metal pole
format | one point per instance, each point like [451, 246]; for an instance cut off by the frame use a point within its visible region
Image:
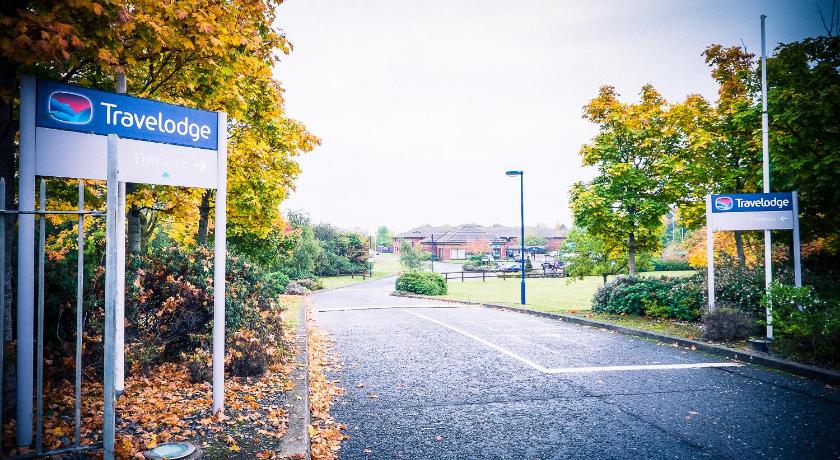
[2, 293]
[710, 253]
[110, 326]
[522, 229]
[765, 153]
[80, 283]
[39, 357]
[434, 251]
[26, 263]
[220, 252]
[119, 338]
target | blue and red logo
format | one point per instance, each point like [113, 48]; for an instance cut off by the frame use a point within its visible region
[723, 203]
[70, 108]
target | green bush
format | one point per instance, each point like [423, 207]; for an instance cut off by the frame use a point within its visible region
[661, 265]
[804, 324]
[728, 324]
[421, 283]
[677, 298]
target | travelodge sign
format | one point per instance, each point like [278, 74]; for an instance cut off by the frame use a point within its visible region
[752, 211]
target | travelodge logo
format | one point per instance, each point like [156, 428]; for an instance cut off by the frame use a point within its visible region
[723, 203]
[70, 108]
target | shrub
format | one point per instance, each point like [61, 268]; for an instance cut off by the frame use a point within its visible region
[805, 325]
[248, 356]
[728, 324]
[421, 283]
[312, 285]
[293, 288]
[662, 265]
[198, 365]
[677, 298]
[478, 267]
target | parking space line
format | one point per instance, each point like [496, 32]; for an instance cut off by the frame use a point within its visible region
[386, 307]
[574, 370]
[480, 340]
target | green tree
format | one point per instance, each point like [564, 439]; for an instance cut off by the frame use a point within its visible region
[410, 258]
[635, 154]
[586, 254]
[535, 240]
[384, 236]
[804, 108]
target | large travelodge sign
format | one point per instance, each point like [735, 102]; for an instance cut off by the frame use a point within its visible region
[160, 143]
[752, 211]
[99, 112]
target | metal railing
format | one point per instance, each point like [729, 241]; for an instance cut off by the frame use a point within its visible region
[503, 274]
[42, 212]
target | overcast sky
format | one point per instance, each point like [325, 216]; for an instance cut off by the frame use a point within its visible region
[422, 106]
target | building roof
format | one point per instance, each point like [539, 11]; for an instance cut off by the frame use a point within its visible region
[464, 234]
[474, 232]
[424, 231]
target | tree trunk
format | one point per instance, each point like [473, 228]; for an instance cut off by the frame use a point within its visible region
[631, 257]
[605, 278]
[203, 218]
[134, 223]
[739, 249]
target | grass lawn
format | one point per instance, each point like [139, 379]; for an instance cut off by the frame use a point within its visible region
[383, 265]
[544, 294]
[676, 328]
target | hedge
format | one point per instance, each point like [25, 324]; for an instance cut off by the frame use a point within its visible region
[422, 283]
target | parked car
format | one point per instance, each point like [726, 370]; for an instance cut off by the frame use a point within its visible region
[487, 258]
[510, 267]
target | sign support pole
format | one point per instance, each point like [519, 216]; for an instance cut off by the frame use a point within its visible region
[119, 341]
[710, 253]
[26, 263]
[797, 264]
[765, 151]
[220, 252]
[111, 280]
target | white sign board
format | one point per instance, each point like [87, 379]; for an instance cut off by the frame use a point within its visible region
[162, 144]
[751, 211]
[68, 131]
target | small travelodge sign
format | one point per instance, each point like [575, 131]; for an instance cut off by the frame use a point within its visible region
[751, 211]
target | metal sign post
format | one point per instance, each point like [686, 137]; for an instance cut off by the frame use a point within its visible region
[74, 132]
[752, 211]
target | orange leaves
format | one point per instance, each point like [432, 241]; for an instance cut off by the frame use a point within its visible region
[324, 433]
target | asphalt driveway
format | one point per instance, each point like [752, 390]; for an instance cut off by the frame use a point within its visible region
[427, 379]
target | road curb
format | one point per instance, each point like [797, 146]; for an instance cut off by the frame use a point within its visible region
[295, 443]
[761, 359]
[349, 285]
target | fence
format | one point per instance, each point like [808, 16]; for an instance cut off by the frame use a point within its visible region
[42, 212]
[483, 275]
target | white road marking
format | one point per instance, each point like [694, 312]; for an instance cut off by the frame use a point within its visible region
[639, 367]
[480, 340]
[386, 307]
[573, 370]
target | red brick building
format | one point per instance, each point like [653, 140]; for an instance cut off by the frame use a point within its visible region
[461, 241]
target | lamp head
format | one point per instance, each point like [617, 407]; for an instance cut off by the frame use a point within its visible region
[514, 173]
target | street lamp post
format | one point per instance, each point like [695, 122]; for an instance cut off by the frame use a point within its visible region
[521, 175]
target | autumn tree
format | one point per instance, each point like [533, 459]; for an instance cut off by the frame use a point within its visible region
[721, 145]
[634, 153]
[210, 54]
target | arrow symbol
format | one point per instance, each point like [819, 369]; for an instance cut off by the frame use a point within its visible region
[166, 174]
[783, 218]
[201, 165]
